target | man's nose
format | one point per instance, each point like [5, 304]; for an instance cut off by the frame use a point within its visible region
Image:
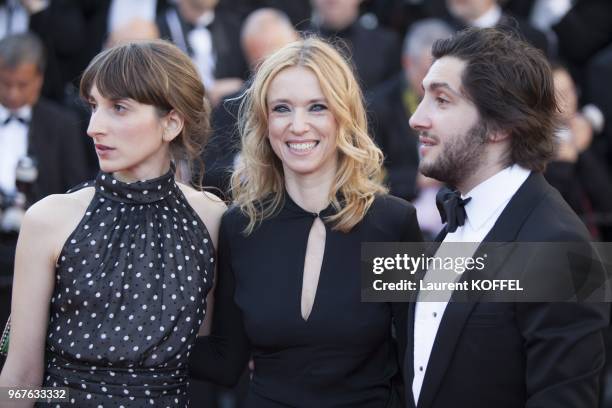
[13, 94]
[420, 118]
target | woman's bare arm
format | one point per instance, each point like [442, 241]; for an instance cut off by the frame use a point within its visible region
[45, 228]
[209, 208]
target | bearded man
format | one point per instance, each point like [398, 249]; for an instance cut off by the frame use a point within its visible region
[485, 126]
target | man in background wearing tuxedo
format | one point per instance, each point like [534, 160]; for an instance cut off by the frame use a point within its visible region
[264, 31]
[35, 127]
[488, 13]
[485, 127]
[210, 35]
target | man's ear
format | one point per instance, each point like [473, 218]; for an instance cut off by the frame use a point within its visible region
[173, 124]
[499, 136]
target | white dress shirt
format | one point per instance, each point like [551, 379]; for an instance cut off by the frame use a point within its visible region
[13, 145]
[201, 43]
[546, 13]
[490, 18]
[122, 12]
[199, 40]
[489, 199]
[14, 18]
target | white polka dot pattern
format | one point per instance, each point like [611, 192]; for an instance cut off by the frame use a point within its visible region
[129, 297]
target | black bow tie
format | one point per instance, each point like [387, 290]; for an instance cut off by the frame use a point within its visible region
[189, 27]
[14, 117]
[451, 207]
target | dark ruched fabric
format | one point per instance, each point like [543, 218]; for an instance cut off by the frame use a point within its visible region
[129, 297]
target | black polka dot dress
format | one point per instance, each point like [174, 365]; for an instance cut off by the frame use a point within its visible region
[129, 297]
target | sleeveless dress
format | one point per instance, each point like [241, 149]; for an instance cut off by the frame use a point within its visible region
[129, 297]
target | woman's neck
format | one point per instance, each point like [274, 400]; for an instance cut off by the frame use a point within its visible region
[310, 192]
[141, 172]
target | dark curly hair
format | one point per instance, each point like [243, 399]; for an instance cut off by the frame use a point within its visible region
[511, 84]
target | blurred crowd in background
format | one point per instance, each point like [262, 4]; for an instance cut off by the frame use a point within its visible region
[46, 44]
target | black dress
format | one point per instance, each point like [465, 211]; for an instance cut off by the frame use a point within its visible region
[129, 297]
[344, 355]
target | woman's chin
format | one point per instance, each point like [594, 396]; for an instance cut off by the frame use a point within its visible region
[107, 167]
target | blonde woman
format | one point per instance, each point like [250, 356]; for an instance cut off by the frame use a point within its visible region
[111, 280]
[307, 194]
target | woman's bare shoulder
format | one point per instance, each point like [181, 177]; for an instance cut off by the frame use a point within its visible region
[58, 214]
[56, 209]
[202, 201]
[51, 220]
[209, 208]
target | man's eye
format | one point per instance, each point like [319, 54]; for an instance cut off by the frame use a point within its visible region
[280, 108]
[441, 101]
[92, 106]
[318, 107]
[119, 108]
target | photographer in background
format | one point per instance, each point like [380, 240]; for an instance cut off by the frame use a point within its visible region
[40, 143]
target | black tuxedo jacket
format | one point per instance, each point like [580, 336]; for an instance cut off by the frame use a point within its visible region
[60, 27]
[392, 133]
[523, 28]
[223, 145]
[225, 35]
[56, 142]
[511, 355]
[358, 47]
[584, 30]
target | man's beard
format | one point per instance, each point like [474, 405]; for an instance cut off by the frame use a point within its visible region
[459, 157]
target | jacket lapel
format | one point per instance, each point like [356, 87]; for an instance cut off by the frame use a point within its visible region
[512, 219]
[36, 144]
[505, 230]
[33, 134]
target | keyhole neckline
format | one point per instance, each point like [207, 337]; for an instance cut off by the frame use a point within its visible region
[291, 205]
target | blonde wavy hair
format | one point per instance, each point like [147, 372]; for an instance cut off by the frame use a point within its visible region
[257, 183]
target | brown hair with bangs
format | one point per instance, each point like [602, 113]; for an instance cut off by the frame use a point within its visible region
[156, 73]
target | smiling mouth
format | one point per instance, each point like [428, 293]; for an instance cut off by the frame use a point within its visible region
[425, 141]
[302, 146]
